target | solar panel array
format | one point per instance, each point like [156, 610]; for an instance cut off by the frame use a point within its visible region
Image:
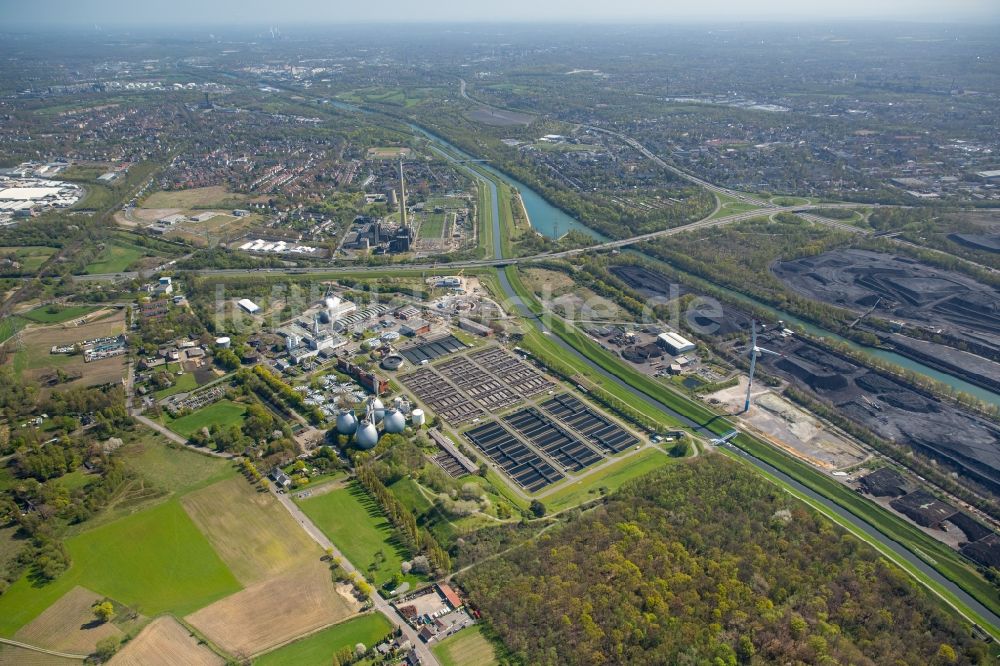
[553, 440]
[527, 468]
[598, 429]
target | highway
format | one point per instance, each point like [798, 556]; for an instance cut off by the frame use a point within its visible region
[496, 262]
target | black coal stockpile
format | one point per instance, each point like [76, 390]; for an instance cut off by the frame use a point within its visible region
[965, 310]
[705, 316]
[892, 410]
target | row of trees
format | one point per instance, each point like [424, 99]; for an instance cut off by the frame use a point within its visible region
[287, 395]
[418, 538]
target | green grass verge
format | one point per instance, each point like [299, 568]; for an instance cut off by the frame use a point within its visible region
[9, 326]
[355, 523]
[58, 314]
[433, 225]
[318, 649]
[466, 648]
[732, 208]
[115, 258]
[155, 561]
[611, 478]
[171, 467]
[407, 492]
[222, 413]
[31, 257]
[182, 383]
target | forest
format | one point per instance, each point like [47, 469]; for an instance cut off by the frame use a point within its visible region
[706, 562]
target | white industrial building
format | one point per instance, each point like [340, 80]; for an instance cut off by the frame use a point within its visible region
[22, 195]
[171, 220]
[248, 305]
[674, 343]
[276, 247]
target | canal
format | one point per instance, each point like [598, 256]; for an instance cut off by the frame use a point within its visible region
[551, 221]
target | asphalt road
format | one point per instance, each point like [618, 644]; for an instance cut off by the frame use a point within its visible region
[499, 261]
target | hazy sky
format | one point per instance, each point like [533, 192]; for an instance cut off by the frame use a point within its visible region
[88, 12]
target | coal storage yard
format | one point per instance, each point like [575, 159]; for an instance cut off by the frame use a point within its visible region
[960, 309]
[892, 410]
[705, 316]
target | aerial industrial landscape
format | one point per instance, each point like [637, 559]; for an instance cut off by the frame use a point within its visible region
[499, 343]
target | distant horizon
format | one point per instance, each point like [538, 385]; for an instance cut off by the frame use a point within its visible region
[243, 13]
[302, 27]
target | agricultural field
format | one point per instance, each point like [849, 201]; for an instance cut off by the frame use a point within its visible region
[31, 257]
[356, 524]
[57, 314]
[249, 529]
[165, 642]
[288, 589]
[466, 648]
[317, 649]
[168, 469]
[275, 610]
[222, 413]
[154, 561]
[199, 197]
[68, 625]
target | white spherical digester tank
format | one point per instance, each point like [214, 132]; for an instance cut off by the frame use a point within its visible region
[394, 421]
[367, 436]
[347, 422]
